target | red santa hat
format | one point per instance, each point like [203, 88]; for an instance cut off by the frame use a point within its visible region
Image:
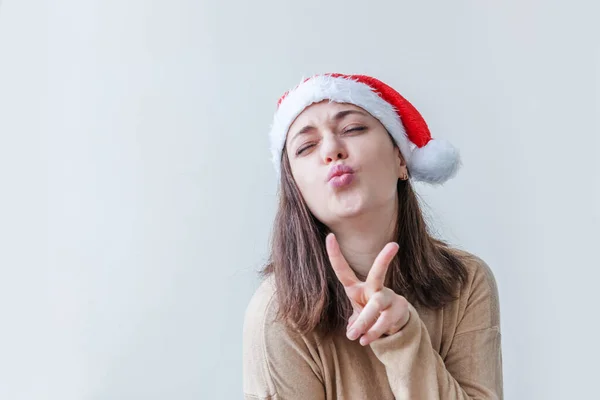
[428, 160]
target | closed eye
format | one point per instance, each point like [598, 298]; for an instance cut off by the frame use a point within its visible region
[358, 128]
[301, 150]
[355, 129]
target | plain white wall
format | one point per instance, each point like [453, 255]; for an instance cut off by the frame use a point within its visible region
[137, 192]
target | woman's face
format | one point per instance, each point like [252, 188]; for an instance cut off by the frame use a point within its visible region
[329, 134]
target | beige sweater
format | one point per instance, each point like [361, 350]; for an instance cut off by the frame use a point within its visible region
[451, 353]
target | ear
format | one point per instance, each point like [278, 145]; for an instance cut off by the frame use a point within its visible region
[401, 168]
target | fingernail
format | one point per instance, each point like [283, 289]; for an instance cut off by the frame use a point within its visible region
[352, 334]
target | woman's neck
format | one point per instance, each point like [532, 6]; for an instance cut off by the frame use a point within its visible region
[362, 238]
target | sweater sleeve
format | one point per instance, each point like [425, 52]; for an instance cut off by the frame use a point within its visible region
[277, 364]
[472, 368]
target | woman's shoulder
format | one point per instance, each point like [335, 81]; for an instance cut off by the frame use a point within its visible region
[262, 322]
[479, 272]
[479, 292]
[262, 302]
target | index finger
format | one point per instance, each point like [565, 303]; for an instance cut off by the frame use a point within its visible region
[376, 277]
[340, 266]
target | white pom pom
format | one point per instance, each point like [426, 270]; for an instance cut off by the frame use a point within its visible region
[434, 163]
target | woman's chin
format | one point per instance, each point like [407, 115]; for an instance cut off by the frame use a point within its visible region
[350, 205]
[349, 213]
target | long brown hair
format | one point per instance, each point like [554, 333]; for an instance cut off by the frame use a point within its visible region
[309, 295]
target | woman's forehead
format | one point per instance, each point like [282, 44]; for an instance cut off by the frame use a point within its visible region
[326, 109]
[326, 112]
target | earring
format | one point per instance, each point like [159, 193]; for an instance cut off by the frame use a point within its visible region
[404, 176]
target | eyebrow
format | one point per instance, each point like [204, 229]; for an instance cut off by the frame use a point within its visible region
[336, 118]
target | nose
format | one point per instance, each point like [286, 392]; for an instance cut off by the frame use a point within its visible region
[333, 149]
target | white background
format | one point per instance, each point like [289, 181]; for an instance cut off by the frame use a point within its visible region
[137, 192]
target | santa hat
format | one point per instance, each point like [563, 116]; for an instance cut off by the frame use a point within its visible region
[428, 160]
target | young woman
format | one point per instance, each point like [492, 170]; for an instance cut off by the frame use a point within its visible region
[359, 301]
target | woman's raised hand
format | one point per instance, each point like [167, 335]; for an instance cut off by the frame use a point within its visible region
[378, 310]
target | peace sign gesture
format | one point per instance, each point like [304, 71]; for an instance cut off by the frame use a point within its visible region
[378, 310]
